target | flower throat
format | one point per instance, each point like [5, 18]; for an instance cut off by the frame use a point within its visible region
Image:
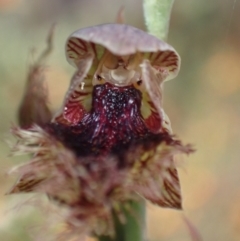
[114, 121]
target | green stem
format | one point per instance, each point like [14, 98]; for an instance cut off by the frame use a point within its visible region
[157, 16]
[134, 228]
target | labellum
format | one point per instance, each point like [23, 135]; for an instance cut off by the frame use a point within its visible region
[111, 139]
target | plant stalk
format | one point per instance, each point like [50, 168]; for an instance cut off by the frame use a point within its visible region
[134, 227]
[157, 16]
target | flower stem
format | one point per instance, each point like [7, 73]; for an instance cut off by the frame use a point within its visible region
[134, 228]
[157, 16]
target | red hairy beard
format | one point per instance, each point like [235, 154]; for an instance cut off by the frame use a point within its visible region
[113, 125]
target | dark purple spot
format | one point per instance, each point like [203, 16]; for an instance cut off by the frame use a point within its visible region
[113, 125]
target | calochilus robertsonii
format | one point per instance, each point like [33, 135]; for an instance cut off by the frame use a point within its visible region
[115, 96]
[111, 140]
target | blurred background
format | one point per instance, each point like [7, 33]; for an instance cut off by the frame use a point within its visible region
[203, 103]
